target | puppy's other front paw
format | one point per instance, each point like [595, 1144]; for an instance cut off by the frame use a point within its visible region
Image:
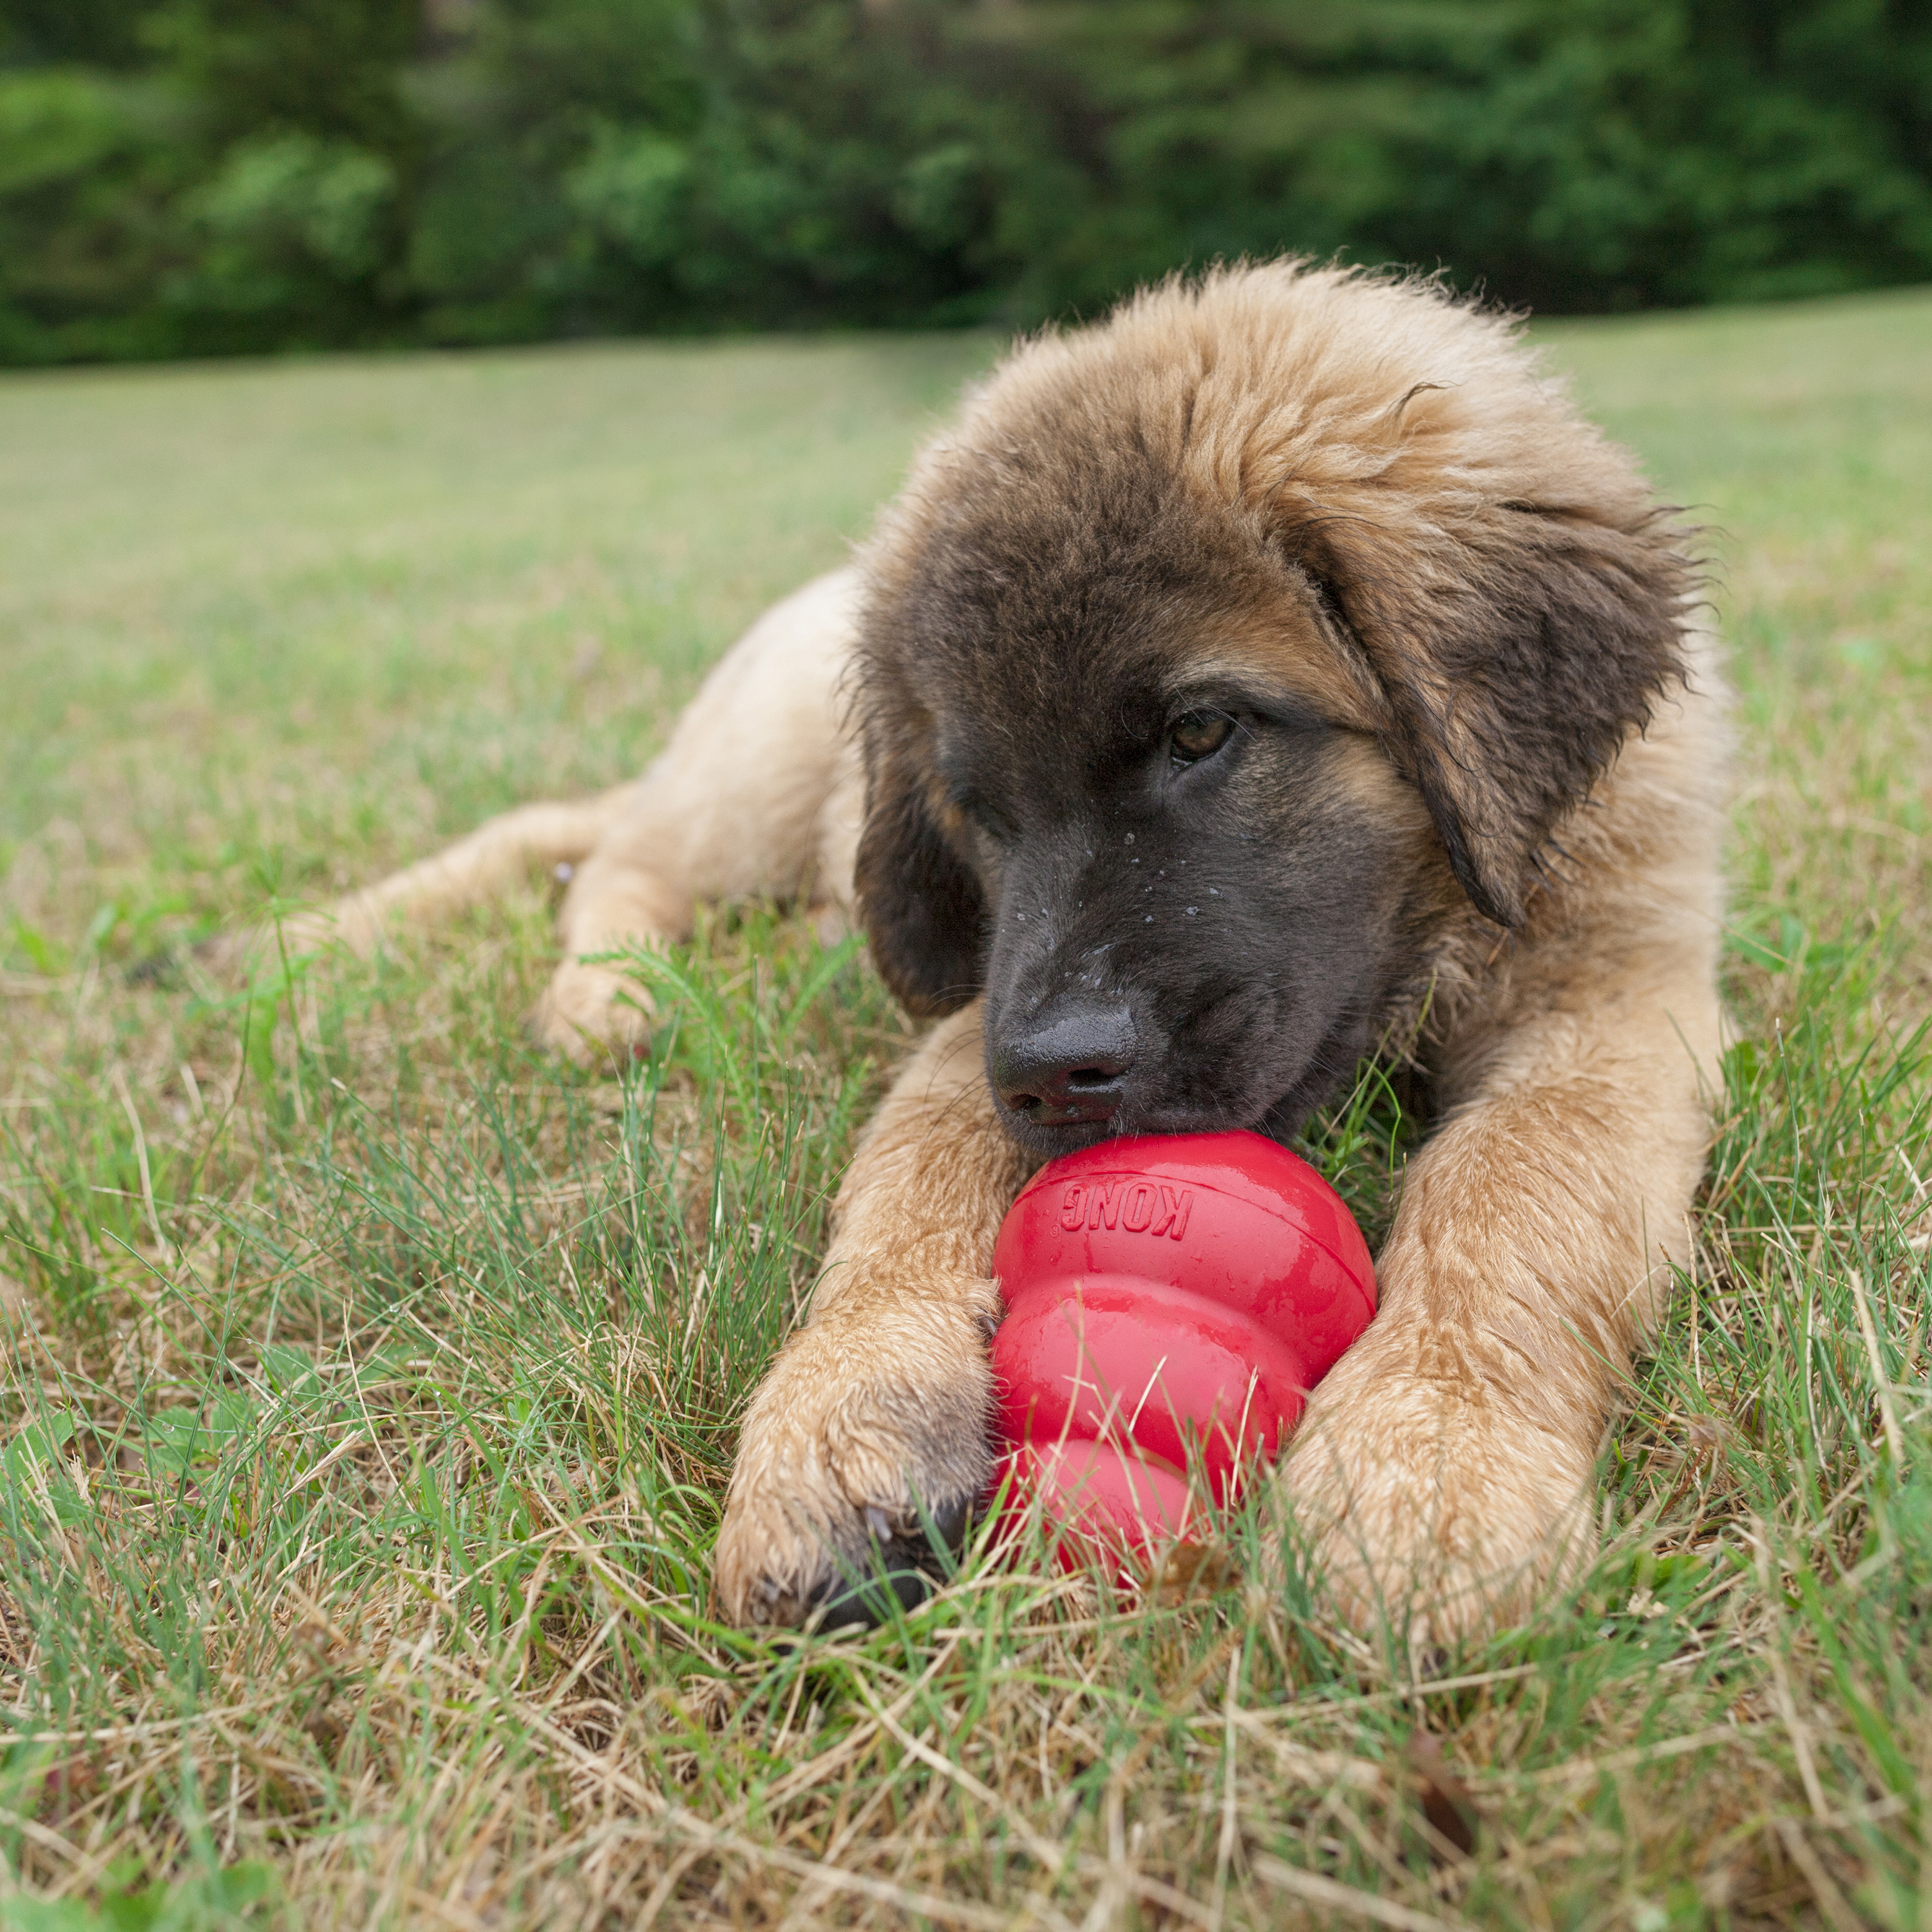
[590, 1014]
[865, 1450]
[1433, 1513]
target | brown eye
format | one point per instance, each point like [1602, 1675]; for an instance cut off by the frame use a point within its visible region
[1199, 736]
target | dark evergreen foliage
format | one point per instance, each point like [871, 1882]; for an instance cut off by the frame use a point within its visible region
[207, 175]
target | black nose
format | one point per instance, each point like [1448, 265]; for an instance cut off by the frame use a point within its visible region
[1068, 1066]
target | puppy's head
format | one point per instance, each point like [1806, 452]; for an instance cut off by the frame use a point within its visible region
[1222, 655]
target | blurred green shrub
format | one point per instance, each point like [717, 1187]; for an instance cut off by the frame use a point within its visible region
[205, 175]
[291, 225]
[87, 181]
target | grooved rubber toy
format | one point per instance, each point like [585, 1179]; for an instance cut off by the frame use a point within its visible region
[1170, 1302]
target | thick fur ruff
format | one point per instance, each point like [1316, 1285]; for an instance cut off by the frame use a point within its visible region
[1278, 670]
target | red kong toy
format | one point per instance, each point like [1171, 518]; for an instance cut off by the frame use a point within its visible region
[1170, 1302]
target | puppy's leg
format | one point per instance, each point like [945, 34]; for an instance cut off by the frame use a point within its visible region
[473, 872]
[731, 810]
[1443, 1469]
[878, 1408]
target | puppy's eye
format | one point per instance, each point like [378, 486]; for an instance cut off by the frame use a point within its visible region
[1199, 735]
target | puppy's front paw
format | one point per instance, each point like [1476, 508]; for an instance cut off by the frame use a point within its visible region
[865, 1449]
[589, 1014]
[1435, 1512]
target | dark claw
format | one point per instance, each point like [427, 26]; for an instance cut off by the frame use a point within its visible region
[865, 1603]
[900, 1573]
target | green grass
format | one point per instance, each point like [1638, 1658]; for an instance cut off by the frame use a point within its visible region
[372, 1379]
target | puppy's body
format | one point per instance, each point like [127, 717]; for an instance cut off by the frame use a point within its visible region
[1276, 671]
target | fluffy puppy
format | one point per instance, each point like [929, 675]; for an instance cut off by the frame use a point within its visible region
[1278, 671]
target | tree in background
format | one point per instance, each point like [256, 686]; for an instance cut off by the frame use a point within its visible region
[203, 176]
[296, 231]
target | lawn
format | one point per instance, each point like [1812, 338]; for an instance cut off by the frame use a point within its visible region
[372, 1378]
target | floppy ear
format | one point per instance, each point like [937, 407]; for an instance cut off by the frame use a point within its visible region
[923, 909]
[1517, 645]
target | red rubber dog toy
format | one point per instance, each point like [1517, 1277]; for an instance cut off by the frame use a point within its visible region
[1170, 1302]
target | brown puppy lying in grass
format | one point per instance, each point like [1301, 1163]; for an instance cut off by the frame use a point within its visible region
[1276, 671]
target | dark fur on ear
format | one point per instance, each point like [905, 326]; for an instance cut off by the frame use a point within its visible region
[923, 909]
[1515, 657]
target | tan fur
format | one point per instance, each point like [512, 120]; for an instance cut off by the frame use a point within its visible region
[1442, 1476]
[1284, 643]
